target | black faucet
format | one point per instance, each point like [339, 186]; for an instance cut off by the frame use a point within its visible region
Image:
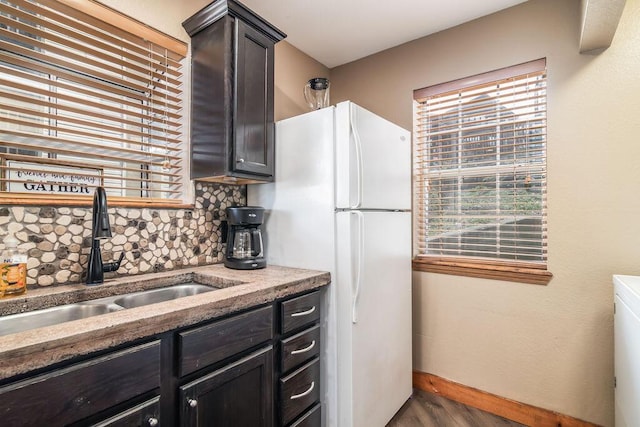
[100, 229]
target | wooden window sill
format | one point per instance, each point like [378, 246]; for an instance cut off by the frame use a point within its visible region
[522, 272]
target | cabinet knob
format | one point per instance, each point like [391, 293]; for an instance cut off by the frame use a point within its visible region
[240, 160]
[192, 402]
[152, 422]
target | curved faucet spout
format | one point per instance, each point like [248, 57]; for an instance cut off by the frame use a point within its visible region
[101, 229]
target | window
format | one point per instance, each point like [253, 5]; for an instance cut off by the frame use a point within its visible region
[480, 169]
[88, 97]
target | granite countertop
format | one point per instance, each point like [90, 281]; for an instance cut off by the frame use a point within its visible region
[238, 289]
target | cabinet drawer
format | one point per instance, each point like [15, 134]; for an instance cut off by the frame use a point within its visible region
[299, 390]
[70, 394]
[300, 311]
[203, 346]
[144, 414]
[299, 348]
[312, 418]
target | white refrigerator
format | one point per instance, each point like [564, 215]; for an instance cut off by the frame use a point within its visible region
[341, 203]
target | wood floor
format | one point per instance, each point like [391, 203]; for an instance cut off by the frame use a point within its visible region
[429, 410]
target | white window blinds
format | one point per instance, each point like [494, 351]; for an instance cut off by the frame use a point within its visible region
[84, 102]
[480, 166]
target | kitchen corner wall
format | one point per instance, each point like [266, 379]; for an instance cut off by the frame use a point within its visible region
[549, 346]
[58, 239]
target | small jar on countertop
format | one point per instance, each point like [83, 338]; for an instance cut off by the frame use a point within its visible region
[13, 268]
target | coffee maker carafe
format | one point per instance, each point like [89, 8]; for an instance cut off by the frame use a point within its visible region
[244, 238]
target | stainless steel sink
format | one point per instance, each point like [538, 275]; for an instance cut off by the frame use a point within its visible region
[153, 296]
[52, 316]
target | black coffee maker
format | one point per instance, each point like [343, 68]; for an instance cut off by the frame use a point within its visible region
[244, 238]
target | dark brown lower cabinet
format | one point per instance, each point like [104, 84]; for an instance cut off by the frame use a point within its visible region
[222, 372]
[236, 395]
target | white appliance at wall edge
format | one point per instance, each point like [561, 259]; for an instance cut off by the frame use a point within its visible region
[341, 203]
[627, 350]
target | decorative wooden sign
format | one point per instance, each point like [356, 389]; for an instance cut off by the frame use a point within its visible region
[41, 178]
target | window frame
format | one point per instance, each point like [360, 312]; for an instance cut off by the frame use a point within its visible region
[120, 25]
[472, 266]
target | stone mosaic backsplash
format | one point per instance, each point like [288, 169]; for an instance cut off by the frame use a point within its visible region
[58, 239]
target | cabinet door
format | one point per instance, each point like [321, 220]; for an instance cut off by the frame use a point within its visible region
[254, 127]
[237, 395]
[211, 96]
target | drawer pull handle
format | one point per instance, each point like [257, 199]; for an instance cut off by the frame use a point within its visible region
[153, 422]
[298, 396]
[304, 350]
[192, 402]
[304, 313]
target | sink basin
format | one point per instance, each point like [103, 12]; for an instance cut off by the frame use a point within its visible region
[160, 295]
[52, 316]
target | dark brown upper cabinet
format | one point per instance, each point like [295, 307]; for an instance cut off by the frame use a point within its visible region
[232, 124]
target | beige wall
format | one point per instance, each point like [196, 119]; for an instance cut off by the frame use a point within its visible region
[550, 346]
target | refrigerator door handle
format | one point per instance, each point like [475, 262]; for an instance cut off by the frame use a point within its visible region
[358, 146]
[359, 258]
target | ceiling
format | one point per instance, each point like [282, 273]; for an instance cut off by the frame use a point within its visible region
[335, 32]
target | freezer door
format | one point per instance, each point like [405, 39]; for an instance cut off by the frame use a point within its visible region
[374, 315]
[373, 161]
